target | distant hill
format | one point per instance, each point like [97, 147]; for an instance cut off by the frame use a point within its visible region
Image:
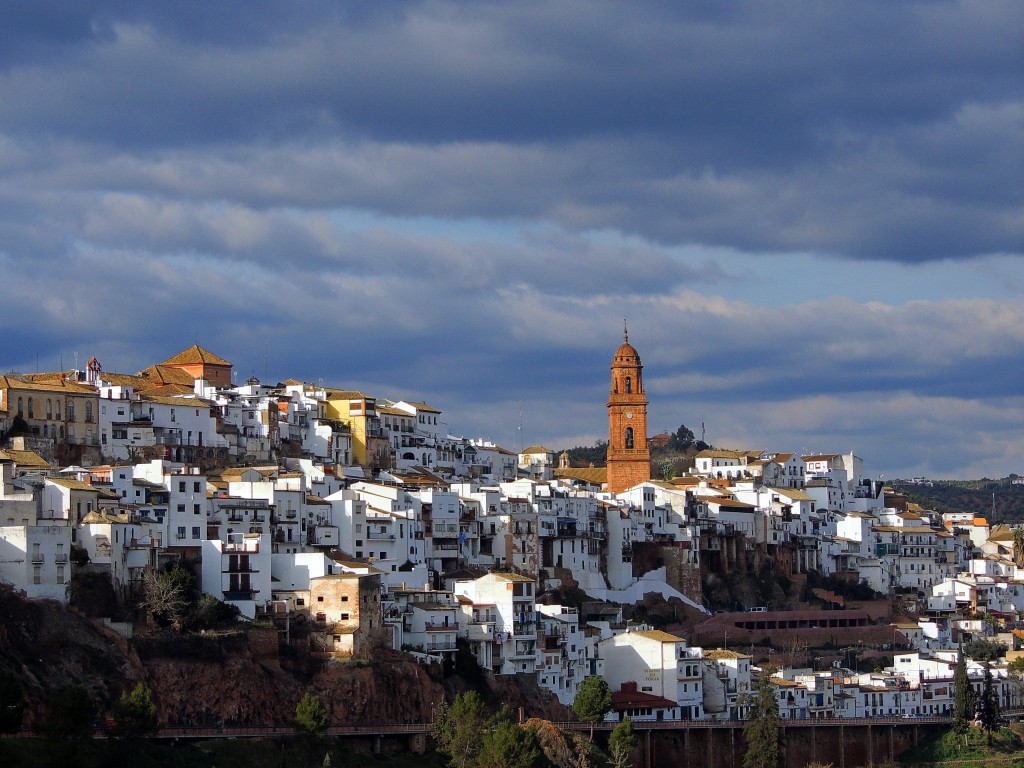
[975, 496]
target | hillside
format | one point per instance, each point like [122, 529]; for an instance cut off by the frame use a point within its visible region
[244, 676]
[979, 497]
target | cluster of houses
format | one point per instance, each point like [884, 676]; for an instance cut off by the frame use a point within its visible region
[366, 519]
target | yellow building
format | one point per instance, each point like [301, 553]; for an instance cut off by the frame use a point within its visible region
[53, 407]
[369, 441]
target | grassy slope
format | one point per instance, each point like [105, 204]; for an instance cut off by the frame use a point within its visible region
[973, 496]
[973, 750]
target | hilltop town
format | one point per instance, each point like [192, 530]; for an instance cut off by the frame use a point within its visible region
[363, 522]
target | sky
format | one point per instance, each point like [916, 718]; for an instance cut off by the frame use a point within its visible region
[810, 213]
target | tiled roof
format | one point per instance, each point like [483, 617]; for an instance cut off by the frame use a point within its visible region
[72, 484]
[26, 459]
[511, 577]
[64, 387]
[721, 653]
[425, 407]
[160, 374]
[657, 635]
[536, 449]
[593, 475]
[196, 355]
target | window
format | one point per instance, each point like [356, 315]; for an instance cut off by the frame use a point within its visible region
[629, 385]
[319, 598]
[344, 617]
[195, 531]
[181, 507]
[181, 486]
[629, 437]
[71, 411]
[37, 575]
[60, 574]
[21, 407]
[181, 531]
[195, 487]
[88, 411]
[49, 409]
[195, 509]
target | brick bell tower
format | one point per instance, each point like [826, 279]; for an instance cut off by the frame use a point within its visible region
[629, 459]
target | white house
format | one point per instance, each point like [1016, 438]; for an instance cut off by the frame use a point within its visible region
[34, 560]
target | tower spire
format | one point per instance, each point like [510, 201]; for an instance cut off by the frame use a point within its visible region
[625, 331]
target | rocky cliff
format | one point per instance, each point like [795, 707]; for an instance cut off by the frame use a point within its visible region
[238, 677]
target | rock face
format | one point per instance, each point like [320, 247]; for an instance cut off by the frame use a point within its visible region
[46, 647]
[241, 677]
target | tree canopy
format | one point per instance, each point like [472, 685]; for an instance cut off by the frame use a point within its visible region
[70, 712]
[135, 712]
[988, 706]
[622, 743]
[762, 730]
[311, 716]
[506, 744]
[458, 727]
[593, 701]
[983, 649]
[963, 696]
[12, 703]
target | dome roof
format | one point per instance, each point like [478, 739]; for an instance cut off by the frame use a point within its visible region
[626, 351]
[626, 354]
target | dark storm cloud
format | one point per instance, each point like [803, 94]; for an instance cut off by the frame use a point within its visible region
[460, 202]
[849, 129]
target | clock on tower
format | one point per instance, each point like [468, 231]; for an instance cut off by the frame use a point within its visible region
[629, 460]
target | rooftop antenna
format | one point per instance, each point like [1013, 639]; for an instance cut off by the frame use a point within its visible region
[266, 359]
[519, 442]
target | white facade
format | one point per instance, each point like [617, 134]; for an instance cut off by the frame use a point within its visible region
[34, 560]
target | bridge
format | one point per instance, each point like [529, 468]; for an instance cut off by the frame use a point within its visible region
[706, 743]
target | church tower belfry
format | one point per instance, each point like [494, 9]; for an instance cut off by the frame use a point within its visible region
[629, 459]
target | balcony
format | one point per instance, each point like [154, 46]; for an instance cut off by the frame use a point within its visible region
[250, 547]
[524, 629]
[553, 642]
[59, 558]
[441, 627]
[37, 558]
[380, 536]
[240, 594]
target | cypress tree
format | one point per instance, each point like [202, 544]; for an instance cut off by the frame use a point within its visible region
[762, 730]
[963, 696]
[988, 709]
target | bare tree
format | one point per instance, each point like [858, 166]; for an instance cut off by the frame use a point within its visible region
[163, 597]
